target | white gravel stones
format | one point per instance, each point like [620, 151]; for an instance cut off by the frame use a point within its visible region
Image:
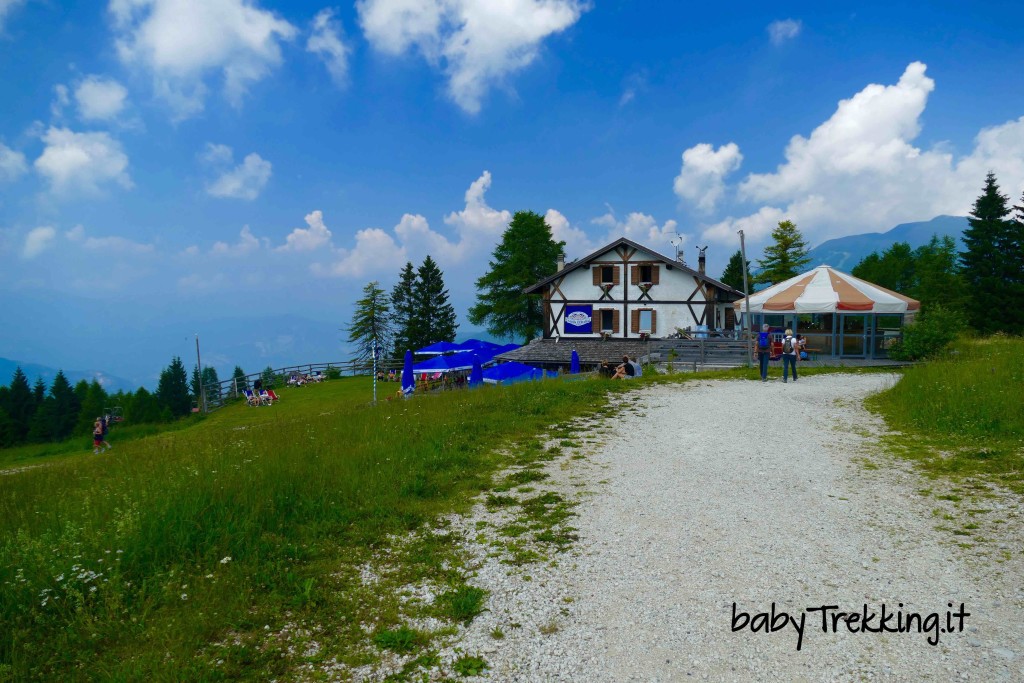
[723, 492]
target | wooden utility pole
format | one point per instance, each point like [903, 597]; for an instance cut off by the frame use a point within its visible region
[746, 299]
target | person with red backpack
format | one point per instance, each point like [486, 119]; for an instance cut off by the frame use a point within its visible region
[764, 350]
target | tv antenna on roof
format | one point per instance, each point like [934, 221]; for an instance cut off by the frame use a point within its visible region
[677, 241]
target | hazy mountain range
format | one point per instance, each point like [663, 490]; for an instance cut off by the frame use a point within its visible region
[843, 253]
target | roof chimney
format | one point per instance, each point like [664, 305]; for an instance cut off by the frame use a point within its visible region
[560, 263]
[701, 260]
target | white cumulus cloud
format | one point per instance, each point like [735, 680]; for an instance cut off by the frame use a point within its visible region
[701, 178]
[325, 41]
[478, 43]
[181, 42]
[109, 244]
[860, 170]
[375, 250]
[12, 164]
[82, 162]
[37, 241]
[100, 99]
[5, 8]
[247, 243]
[783, 29]
[577, 242]
[316, 236]
[244, 181]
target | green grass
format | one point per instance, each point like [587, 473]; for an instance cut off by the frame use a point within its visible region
[185, 552]
[131, 564]
[962, 415]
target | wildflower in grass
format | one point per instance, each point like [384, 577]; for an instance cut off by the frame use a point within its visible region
[184, 596]
[226, 560]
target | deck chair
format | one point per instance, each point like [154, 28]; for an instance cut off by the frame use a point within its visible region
[251, 397]
[273, 396]
[265, 398]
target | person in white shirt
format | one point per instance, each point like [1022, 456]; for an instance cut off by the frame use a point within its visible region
[790, 352]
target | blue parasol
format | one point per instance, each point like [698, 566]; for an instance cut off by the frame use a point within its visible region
[437, 348]
[574, 364]
[476, 375]
[408, 381]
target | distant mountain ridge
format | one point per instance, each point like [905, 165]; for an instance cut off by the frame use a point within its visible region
[843, 253]
[33, 370]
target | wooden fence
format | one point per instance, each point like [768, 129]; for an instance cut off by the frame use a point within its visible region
[218, 395]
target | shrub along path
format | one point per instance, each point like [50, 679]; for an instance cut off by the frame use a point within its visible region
[723, 493]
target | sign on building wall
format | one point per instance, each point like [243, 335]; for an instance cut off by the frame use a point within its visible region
[577, 319]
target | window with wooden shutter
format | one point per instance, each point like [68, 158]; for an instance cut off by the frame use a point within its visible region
[615, 276]
[646, 319]
[655, 273]
[608, 320]
[634, 275]
[615, 321]
[596, 270]
[595, 321]
[645, 272]
[654, 321]
[634, 320]
[607, 275]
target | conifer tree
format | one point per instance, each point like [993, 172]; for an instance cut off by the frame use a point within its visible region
[371, 323]
[527, 253]
[57, 417]
[144, 408]
[172, 390]
[39, 392]
[733, 273]
[994, 287]
[239, 377]
[433, 316]
[93, 405]
[402, 310]
[20, 405]
[785, 257]
[6, 429]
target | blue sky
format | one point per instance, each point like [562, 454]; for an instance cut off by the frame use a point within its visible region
[242, 169]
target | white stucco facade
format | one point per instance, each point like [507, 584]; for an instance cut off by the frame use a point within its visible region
[627, 290]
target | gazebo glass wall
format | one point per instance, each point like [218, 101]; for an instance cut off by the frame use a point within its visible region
[849, 335]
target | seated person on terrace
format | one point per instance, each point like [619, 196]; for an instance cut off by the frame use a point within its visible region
[624, 370]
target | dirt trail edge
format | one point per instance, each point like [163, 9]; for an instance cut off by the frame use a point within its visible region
[715, 493]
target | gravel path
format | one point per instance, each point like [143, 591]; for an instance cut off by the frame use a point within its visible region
[712, 493]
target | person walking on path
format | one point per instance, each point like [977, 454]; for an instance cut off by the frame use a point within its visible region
[790, 351]
[764, 350]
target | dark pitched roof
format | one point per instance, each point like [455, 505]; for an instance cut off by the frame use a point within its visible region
[586, 260]
[589, 350]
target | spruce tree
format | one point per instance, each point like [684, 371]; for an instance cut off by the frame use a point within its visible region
[57, 418]
[94, 404]
[144, 408]
[785, 257]
[239, 377]
[172, 390]
[20, 405]
[733, 273]
[938, 279]
[403, 308]
[7, 434]
[987, 266]
[527, 253]
[211, 383]
[371, 323]
[39, 392]
[433, 317]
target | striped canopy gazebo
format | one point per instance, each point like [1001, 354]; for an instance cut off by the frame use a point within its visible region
[839, 314]
[827, 290]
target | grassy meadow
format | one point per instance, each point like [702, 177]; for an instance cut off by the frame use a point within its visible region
[963, 414]
[173, 555]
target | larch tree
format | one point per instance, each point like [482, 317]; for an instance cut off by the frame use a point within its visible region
[403, 309]
[987, 266]
[434, 317]
[371, 323]
[733, 273]
[785, 257]
[527, 253]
